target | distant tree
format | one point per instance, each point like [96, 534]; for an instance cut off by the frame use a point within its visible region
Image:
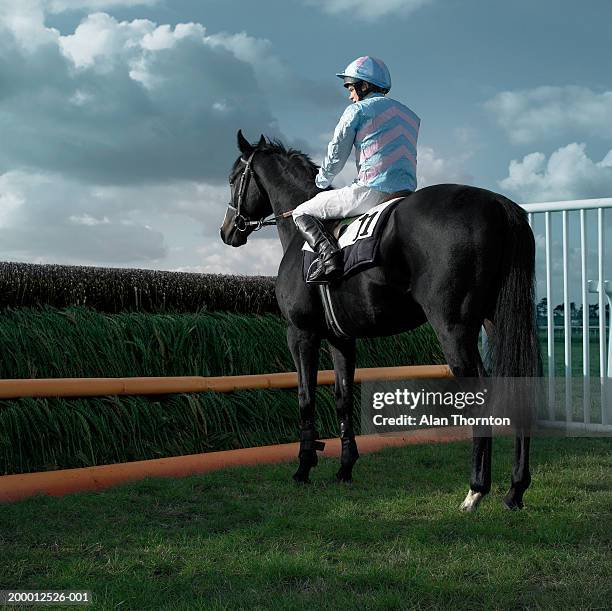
[593, 313]
[558, 312]
[542, 311]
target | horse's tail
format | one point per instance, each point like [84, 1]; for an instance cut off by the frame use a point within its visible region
[515, 351]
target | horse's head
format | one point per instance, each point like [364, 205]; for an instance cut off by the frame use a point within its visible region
[249, 203]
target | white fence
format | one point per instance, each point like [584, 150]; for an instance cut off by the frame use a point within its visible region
[600, 385]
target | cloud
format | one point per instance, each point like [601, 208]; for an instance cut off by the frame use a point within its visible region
[369, 10]
[196, 204]
[568, 174]
[53, 220]
[254, 51]
[24, 20]
[257, 257]
[550, 112]
[127, 102]
[291, 91]
[46, 218]
[433, 170]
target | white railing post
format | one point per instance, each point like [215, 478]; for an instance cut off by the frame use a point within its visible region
[550, 322]
[602, 312]
[586, 338]
[567, 330]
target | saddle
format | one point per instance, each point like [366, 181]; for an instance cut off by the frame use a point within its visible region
[358, 237]
[337, 227]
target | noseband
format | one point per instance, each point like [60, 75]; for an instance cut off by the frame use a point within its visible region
[240, 221]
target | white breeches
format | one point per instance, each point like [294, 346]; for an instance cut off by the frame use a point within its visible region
[341, 203]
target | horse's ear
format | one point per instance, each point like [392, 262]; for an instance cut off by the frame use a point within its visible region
[243, 144]
[262, 141]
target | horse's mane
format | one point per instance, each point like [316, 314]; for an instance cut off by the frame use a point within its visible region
[296, 158]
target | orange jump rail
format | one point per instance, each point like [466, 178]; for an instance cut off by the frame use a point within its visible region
[58, 483]
[96, 387]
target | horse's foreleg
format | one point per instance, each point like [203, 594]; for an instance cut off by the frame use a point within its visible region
[304, 348]
[521, 477]
[343, 353]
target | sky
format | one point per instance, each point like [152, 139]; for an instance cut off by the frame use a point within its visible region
[118, 118]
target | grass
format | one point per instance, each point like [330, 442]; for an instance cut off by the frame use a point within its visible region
[249, 538]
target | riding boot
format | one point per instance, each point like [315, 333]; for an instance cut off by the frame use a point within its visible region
[330, 263]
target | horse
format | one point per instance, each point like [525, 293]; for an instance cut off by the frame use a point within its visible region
[457, 256]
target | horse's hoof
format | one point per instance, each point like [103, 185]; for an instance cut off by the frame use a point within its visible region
[472, 500]
[300, 478]
[343, 477]
[512, 502]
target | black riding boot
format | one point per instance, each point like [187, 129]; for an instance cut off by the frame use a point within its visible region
[330, 263]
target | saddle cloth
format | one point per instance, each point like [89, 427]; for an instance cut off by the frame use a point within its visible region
[359, 239]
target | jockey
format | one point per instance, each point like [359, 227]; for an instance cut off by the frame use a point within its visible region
[384, 133]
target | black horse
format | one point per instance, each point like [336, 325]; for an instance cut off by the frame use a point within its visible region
[454, 255]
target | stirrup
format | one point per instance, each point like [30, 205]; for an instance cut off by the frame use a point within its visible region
[320, 275]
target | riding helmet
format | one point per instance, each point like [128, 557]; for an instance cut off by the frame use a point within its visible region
[369, 69]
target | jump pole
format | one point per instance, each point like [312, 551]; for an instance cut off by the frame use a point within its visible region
[58, 483]
[100, 387]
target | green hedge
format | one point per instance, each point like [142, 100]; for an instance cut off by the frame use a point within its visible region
[119, 290]
[80, 342]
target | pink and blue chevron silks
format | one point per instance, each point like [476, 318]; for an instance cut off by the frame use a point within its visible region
[384, 133]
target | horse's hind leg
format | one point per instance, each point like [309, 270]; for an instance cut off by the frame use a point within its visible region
[460, 346]
[304, 346]
[343, 353]
[480, 481]
[521, 477]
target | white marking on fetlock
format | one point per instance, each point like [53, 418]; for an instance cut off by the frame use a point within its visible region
[471, 501]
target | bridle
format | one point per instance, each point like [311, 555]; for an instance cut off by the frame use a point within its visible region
[240, 221]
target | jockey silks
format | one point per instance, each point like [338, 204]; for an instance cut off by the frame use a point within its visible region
[384, 133]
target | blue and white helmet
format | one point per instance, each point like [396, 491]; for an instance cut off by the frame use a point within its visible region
[369, 69]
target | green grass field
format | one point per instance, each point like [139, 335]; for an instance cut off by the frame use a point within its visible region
[249, 538]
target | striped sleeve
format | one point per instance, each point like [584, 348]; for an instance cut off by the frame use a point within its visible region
[340, 146]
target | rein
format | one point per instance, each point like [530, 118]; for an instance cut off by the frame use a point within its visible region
[240, 221]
